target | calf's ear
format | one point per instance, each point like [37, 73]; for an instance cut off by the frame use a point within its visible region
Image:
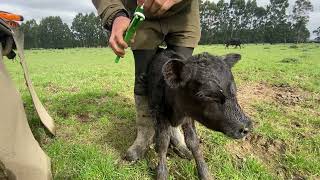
[175, 73]
[232, 59]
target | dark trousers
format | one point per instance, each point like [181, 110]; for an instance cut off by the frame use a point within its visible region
[142, 59]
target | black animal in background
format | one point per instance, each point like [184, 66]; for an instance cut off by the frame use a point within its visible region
[234, 42]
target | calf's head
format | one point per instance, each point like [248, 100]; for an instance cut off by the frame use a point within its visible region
[205, 90]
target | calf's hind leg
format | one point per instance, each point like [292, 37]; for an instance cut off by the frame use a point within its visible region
[162, 143]
[192, 142]
[178, 143]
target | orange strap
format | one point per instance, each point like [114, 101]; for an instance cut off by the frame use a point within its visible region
[10, 16]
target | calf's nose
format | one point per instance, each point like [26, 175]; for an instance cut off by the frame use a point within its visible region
[244, 131]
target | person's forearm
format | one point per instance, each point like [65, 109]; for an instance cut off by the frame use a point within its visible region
[108, 10]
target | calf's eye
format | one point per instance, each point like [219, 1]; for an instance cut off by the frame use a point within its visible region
[211, 97]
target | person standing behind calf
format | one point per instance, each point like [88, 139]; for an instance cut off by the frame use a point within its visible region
[175, 22]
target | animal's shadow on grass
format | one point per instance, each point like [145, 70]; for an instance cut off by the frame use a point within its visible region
[110, 115]
[118, 136]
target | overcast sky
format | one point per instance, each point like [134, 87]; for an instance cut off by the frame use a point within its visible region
[67, 9]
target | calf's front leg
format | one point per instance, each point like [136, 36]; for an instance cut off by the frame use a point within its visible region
[192, 142]
[162, 143]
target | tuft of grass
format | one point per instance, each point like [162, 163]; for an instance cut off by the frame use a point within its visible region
[290, 60]
[293, 46]
[80, 161]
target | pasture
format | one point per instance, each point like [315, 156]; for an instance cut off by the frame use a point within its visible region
[91, 99]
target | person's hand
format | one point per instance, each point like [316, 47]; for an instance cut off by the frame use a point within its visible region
[116, 41]
[157, 7]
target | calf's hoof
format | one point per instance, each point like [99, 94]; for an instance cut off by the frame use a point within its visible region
[206, 178]
[162, 172]
[182, 151]
[134, 153]
[205, 175]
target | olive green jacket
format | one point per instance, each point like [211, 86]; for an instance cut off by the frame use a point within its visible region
[107, 9]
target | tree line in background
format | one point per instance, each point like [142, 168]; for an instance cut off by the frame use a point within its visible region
[254, 24]
[317, 32]
[51, 32]
[220, 21]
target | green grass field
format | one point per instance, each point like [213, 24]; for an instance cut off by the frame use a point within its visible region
[91, 99]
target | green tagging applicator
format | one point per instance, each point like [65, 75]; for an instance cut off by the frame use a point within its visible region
[138, 17]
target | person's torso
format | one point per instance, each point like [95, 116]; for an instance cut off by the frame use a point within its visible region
[177, 8]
